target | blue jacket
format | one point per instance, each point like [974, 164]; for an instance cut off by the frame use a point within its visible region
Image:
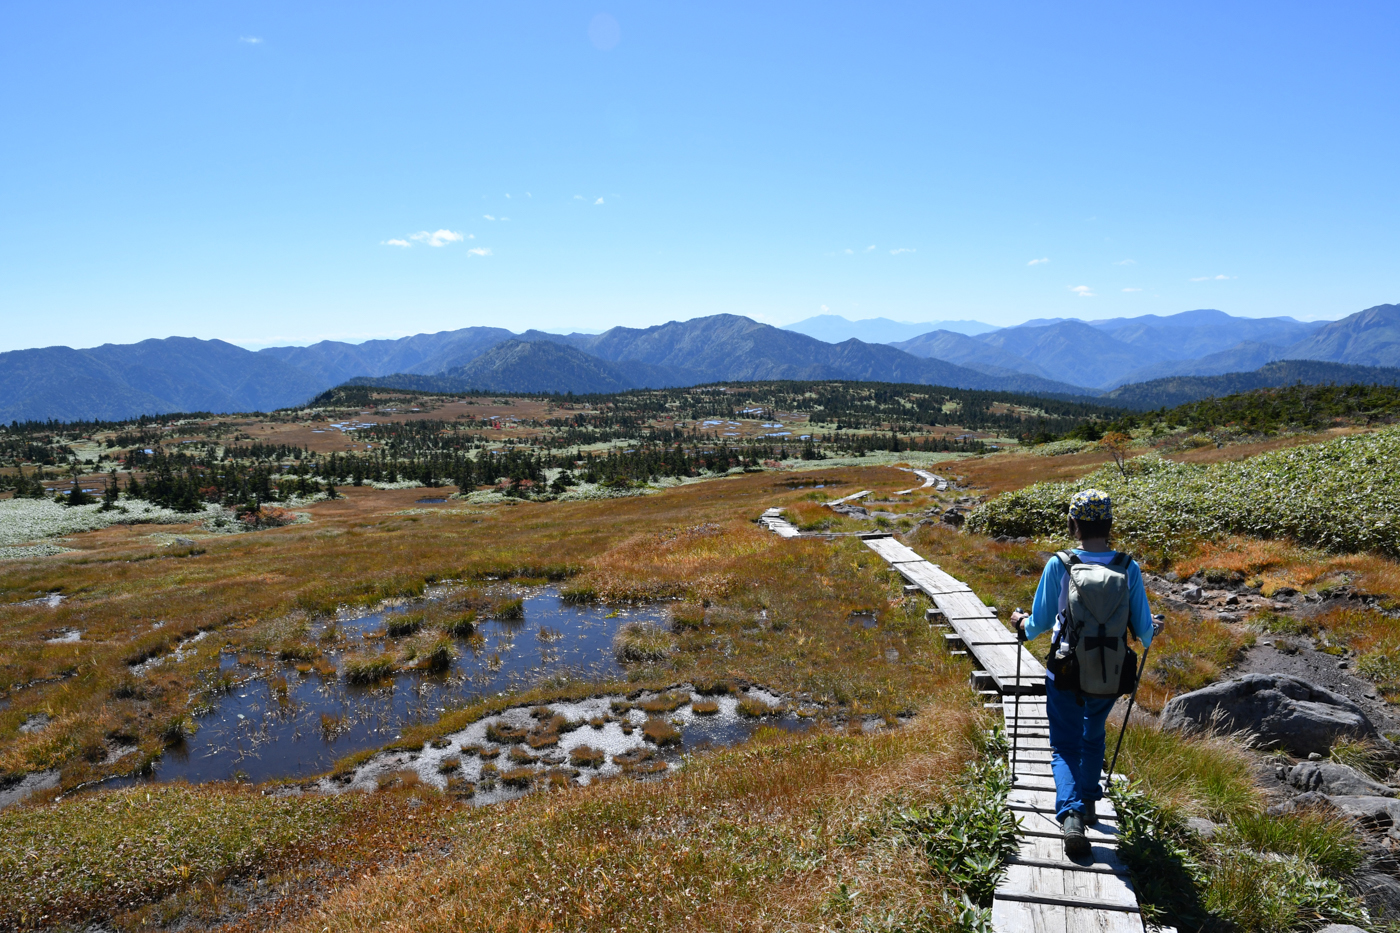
[1052, 597]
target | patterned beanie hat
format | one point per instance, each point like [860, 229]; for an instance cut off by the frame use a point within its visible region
[1091, 505]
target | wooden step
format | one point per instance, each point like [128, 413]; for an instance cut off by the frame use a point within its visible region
[1044, 824]
[1101, 889]
[1010, 916]
[1052, 848]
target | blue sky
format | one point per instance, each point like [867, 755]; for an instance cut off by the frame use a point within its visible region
[248, 171]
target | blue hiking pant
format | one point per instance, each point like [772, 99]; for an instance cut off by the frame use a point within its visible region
[1076, 747]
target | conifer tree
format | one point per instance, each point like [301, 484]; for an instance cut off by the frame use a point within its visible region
[109, 495]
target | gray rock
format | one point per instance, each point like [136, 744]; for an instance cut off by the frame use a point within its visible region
[1379, 813]
[13, 792]
[1202, 827]
[1277, 708]
[1303, 801]
[1192, 594]
[1381, 892]
[1332, 778]
[38, 722]
[1340, 928]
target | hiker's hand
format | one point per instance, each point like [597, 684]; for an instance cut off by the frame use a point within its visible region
[1018, 619]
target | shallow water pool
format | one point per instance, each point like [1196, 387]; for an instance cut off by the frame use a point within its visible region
[266, 729]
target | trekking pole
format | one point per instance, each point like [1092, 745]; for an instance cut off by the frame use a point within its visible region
[1142, 667]
[1016, 703]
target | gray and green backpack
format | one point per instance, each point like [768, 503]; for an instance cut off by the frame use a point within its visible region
[1090, 653]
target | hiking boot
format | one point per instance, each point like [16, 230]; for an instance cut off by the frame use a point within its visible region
[1076, 843]
[1091, 815]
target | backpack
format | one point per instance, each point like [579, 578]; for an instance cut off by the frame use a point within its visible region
[1090, 653]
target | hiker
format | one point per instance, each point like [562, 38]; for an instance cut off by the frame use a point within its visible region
[1089, 598]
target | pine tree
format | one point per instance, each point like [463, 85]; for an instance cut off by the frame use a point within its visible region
[109, 495]
[76, 496]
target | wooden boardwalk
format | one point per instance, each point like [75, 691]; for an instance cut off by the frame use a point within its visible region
[930, 479]
[971, 620]
[1042, 890]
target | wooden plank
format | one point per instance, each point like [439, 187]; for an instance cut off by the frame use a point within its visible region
[1105, 822]
[1042, 823]
[1045, 800]
[1067, 900]
[893, 551]
[985, 629]
[1018, 917]
[932, 585]
[1099, 889]
[1053, 849]
[930, 579]
[963, 605]
[1068, 866]
[853, 496]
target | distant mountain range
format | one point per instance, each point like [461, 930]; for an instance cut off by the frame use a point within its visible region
[719, 348]
[1106, 354]
[833, 328]
[1178, 390]
[1060, 357]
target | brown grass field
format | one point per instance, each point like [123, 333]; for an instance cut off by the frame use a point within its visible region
[772, 834]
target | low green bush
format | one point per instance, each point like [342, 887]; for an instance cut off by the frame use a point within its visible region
[968, 837]
[1160, 504]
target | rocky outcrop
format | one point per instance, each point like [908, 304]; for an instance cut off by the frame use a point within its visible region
[1332, 778]
[1276, 708]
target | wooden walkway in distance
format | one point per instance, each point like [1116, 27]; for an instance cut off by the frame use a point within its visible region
[974, 624]
[930, 479]
[773, 520]
[1043, 891]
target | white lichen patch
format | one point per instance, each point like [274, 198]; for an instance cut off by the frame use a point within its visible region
[31, 520]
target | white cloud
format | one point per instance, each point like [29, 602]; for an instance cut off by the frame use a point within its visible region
[1126, 262]
[251, 40]
[437, 237]
[604, 32]
[597, 202]
[479, 251]
[579, 197]
[1039, 262]
[1212, 278]
[507, 194]
[1132, 289]
[1083, 291]
[850, 252]
[825, 309]
[870, 247]
[488, 216]
[902, 249]
[403, 243]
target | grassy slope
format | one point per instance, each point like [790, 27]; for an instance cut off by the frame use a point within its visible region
[781, 610]
[793, 819]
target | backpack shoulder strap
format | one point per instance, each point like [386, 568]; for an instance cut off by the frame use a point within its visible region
[1121, 560]
[1068, 559]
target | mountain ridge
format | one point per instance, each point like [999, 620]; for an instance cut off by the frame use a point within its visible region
[1052, 358]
